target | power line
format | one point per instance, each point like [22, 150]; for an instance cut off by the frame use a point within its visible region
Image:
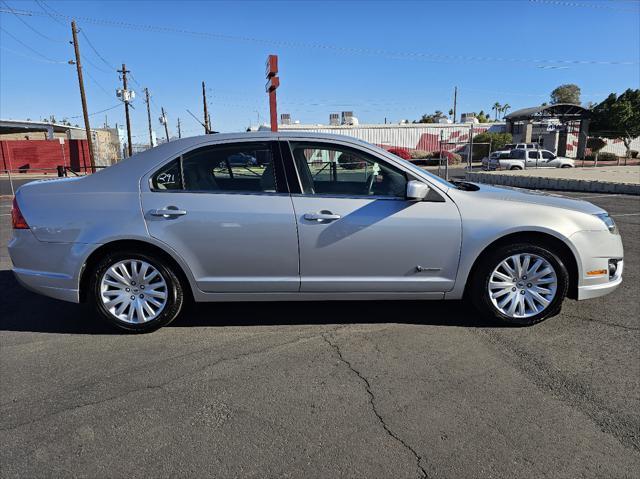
[601, 5]
[29, 48]
[432, 57]
[42, 6]
[98, 112]
[100, 69]
[92, 78]
[30, 57]
[96, 51]
[30, 27]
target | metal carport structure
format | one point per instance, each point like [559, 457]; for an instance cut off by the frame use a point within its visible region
[565, 113]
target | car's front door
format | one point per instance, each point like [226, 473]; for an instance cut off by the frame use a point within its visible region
[232, 222]
[358, 232]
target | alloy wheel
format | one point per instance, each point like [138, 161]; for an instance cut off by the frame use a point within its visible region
[523, 285]
[133, 291]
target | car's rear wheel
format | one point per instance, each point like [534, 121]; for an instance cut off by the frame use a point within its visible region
[520, 284]
[515, 168]
[135, 291]
[566, 166]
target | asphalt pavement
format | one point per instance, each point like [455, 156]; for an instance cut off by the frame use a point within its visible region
[342, 389]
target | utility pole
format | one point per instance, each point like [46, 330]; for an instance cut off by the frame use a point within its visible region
[166, 126]
[148, 100]
[207, 124]
[83, 97]
[125, 98]
[455, 102]
[179, 131]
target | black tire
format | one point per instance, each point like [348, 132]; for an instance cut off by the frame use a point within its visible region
[515, 168]
[566, 166]
[175, 293]
[478, 287]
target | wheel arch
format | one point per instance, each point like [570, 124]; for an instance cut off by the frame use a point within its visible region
[538, 238]
[136, 245]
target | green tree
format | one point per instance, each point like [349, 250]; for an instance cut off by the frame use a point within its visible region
[497, 140]
[618, 117]
[568, 93]
[482, 117]
[434, 118]
[496, 106]
[506, 107]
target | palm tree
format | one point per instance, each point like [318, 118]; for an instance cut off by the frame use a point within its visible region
[506, 107]
[496, 106]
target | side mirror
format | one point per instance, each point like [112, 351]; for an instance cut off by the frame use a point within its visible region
[416, 190]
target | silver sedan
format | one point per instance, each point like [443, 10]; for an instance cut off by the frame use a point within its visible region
[311, 217]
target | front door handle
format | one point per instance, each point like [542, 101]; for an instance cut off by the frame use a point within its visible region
[323, 215]
[168, 212]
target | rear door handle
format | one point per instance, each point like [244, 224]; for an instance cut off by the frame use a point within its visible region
[321, 216]
[168, 212]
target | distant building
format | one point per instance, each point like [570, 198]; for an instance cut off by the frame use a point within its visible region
[30, 142]
[412, 136]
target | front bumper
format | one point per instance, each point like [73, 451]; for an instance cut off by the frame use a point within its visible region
[596, 290]
[595, 249]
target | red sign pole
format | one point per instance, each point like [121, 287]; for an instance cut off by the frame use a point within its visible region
[273, 82]
[273, 110]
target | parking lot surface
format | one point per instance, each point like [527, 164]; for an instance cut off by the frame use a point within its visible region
[339, 389]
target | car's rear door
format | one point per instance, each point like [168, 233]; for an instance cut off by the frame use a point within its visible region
[358, 232]
[232, 222]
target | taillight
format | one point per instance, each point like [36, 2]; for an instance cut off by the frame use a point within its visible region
[17, 220]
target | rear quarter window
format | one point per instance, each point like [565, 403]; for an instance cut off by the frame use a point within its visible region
[169, 177]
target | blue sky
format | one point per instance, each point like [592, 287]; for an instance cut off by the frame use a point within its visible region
[381, 59]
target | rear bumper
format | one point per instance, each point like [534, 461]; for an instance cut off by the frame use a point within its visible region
[46, 284]
[50, 269]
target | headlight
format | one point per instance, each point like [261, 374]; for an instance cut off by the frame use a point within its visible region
[608, 220]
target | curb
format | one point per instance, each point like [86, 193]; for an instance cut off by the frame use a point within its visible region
[565, 184]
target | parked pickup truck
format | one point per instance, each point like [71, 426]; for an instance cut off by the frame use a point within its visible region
[520, 159]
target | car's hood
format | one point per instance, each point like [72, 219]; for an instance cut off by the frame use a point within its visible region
[534, 197]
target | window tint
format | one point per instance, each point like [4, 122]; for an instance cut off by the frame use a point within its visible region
[547, 155]
[238, 167]
[518, 154]
[533, 155]
[168, 177]
[530, 145]
[334, 170]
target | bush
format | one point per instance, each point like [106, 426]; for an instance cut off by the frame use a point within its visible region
[452, 158]
[604, 156]
[421, 154]
[633, 153]
[401, 152]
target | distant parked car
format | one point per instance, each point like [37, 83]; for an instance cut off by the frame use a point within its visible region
[522, 146]
[494, 157]
[519, 159]
[241, 159]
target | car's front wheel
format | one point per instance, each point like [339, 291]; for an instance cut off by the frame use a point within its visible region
[520, 284]
[135, 291]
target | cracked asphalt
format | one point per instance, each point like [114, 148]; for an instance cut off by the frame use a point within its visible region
[350, 389]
